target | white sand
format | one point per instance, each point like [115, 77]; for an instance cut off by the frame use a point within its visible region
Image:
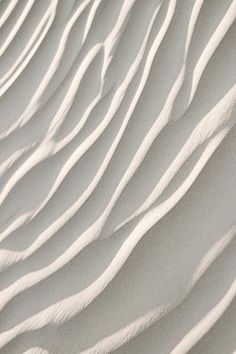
[117, 176]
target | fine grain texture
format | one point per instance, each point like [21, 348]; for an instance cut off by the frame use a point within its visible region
[117, 176]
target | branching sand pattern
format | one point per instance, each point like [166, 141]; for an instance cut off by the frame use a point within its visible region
[117, 176]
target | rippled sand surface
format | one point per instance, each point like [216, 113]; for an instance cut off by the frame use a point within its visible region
[117, 176]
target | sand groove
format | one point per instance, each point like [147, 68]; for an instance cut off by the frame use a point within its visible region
[117, 175]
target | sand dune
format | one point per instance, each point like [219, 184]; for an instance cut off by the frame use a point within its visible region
[117, 176]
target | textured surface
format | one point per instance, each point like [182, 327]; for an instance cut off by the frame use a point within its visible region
[117, 176]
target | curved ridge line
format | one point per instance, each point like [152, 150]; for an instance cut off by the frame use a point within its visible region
[17, 26]
[114, 34]
[159, 124]
[76, 303]
[204, 129]
[165, 113]
[125, 334]
[8, 12]
[100, 94]
[206, 323]
[8, 258]
[149, 61]
[211, 46]
[6, 164]
[31, 47]
[113, 37]
[47, 146]
[33, 105]
[90, 19]
[37, 350]
[80, 150]
[48, 138]
[106, 212]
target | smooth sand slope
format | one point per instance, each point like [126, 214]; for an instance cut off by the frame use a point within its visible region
[117, 176]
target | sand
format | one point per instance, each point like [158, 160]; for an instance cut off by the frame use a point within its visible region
[117, 176]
